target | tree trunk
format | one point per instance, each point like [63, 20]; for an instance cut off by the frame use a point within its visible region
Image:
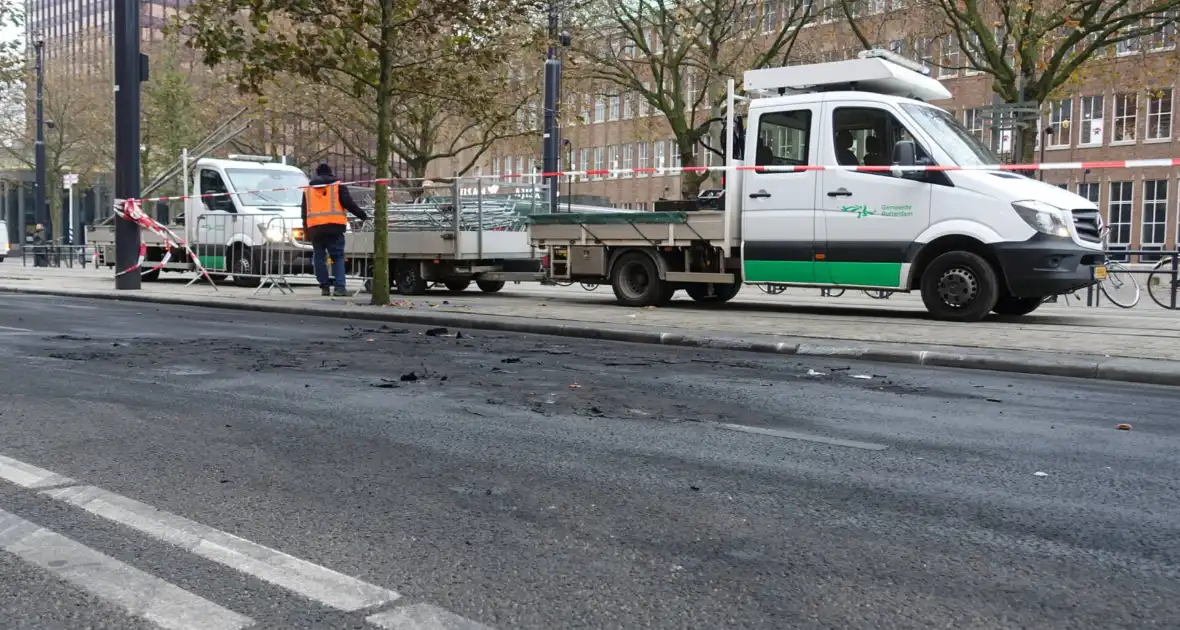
[381, 198]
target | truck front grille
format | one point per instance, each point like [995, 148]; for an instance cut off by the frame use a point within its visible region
[1086, 222]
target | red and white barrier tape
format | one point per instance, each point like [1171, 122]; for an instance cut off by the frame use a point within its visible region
[131, 210]
[1046, 166]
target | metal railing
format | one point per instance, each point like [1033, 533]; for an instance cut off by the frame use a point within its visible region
[1128, 271]
[56, 255]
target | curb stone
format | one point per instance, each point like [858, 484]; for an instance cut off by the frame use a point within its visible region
[1148, 371]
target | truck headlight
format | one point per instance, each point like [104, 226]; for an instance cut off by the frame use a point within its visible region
[297, 234]
[1042, 217]
[274, 234]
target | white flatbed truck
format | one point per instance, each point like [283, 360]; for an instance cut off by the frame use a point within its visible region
[970, 241]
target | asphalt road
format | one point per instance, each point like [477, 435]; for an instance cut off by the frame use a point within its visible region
[189, 468]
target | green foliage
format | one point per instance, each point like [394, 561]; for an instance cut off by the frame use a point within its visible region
[172, 120]
[369, 51]
[12, 53]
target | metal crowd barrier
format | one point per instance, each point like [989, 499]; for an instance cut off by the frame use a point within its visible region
[259, 250]
[1157, 271]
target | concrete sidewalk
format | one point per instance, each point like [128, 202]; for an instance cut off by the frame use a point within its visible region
[1139, 345]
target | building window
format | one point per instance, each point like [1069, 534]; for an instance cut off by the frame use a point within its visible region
[599, 109]
[1159, 114]
[642, 106]
[973, 121]
[1126, 117]
[1060, 119]
[612, 159]
[1118, 217]
[599, 161]
[770, 16]
[1091, 120]
[615, 106]
[641, 148]
[674, 152]
[628, 159]
[628, 110]
[495, 167]
[661, 158]
[1163, 35]
[949, 65]
[1090, 191]
[1155, 217]
[584, 159]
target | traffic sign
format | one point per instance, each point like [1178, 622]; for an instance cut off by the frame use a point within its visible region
[69, 180]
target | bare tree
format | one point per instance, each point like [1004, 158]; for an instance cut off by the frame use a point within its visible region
[1032, 49]
[74, 138]
[678, 54]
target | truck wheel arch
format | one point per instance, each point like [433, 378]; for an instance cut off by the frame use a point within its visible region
[950, 243]
[616, 254]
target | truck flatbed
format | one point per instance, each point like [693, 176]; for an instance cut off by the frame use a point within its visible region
[665, 229]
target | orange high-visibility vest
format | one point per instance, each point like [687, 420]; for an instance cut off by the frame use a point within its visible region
[323, 206]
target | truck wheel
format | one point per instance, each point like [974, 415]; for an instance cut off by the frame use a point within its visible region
[960, 286]
[457, 286]
[490, 286]
[410, 280]
[721, 293]
[243, 262]
[1011, 305]
[636, 281]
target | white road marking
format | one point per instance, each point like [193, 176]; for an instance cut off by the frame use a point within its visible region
[312, 581]
[140, 594]
[30, 476]
[422, 617]
[806, 437]
[19, 330]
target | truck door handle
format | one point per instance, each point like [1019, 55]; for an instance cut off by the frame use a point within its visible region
[843, 192]
[761, 194]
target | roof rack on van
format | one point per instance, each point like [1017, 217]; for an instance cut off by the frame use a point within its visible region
[878, 71]
[261, 159]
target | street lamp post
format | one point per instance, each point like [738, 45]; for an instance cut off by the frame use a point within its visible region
[551, 135]
[40, 211]
[130, 71]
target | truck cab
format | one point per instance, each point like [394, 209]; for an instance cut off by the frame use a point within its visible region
[859, 182]
[235, 206]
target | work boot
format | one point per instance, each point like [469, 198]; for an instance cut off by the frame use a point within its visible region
[325, 291]
[339, 292]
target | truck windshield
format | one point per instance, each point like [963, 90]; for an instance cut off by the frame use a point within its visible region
[959, 143]
[265, 181]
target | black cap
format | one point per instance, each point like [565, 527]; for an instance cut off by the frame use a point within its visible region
[323, 169]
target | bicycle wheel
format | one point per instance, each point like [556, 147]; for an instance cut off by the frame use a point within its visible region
[1160, 286]
[589, 286]
[1120, 287]
[878, 294]
[772, 289]
[831, 292]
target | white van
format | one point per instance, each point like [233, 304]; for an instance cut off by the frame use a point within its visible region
[970, 241]
[3, 240]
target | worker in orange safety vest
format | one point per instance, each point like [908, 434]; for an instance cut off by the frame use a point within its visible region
[324, 204]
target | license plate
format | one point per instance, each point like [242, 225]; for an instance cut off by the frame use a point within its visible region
[1100, 273]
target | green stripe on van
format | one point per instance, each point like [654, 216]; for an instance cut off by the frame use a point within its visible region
[820, 272]
[212, 263]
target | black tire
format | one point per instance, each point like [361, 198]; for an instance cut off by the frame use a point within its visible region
[149, 275]
[409, 279]
[457, 286]
[1, 259]
[1015, 306]
[721, 293]
[244, 261]
[1159, 284]
[636, 281]
[960, 287]
[490, 286]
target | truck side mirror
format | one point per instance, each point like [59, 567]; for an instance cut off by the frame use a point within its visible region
[905, 154]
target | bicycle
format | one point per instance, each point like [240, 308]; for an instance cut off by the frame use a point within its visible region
[772, 289]
[1164, 299]
[1121, 282]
